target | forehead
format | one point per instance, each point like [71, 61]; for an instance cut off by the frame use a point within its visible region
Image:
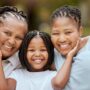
[36, 41]
[12, 22]
[14, 27]
[64, 22]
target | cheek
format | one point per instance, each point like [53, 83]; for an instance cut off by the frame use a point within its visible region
[29, 57]
[53, 39]
[3, 38]
[75, 39]
[74, 36]
[46, 55]
[18, 43]
[28, 54]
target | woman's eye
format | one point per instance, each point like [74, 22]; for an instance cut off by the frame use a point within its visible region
[68, 32]
[7, 33]
[55, 33]
[19, 38]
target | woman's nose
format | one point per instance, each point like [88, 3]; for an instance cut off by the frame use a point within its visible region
[12, 41]
[62, 38]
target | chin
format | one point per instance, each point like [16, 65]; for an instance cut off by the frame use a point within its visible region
[5, 56]
[64, 53]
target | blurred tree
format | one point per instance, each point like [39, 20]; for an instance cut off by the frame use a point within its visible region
[31, 10]
[8, 2]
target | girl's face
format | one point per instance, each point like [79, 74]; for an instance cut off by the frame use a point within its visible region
[37, 54]
[64, 35]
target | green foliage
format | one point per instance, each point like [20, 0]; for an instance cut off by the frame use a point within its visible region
[86, 31]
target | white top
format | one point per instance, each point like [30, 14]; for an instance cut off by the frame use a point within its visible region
[11, 64]
[80, 71]
[33, 80]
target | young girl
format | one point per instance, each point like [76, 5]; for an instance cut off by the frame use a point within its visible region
[36, 56]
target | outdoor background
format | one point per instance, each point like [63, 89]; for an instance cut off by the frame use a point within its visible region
[39, 11]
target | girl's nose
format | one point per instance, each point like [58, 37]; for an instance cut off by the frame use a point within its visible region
[37, 53]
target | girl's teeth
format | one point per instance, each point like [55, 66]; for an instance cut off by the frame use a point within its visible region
[38, 61]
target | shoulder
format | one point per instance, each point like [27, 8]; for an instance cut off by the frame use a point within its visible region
[51, 73]
[18, 73]
[21, 70]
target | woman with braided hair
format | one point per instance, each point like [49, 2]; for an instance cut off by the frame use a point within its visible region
[66, 30]
[13, 27]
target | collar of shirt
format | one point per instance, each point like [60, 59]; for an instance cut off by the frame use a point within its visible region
[14, 60]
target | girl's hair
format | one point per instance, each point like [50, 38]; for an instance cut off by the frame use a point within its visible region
[23, 50]
[10, 11]
[67, 11]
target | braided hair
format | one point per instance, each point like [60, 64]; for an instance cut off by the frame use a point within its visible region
[47, 41]
[67, 11]
[10, 11]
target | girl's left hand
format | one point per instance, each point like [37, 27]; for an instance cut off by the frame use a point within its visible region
[74, 50]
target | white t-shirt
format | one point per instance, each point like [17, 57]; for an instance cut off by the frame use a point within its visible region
[80, 71]
[33, 80]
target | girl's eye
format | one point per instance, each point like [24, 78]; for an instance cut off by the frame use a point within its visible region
[43, 50]
[31, 50]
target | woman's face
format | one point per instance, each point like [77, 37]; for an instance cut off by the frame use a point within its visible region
[64, 34]
[12, 32]
[37, 54]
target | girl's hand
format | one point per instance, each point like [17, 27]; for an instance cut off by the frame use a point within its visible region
[74, 50]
